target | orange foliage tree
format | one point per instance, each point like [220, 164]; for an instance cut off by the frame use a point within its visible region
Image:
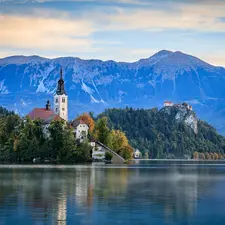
[202, 156]
[88, 120]
[216, 156]
[220, 156]
[212, 155]
[207, 156]
[195, 155]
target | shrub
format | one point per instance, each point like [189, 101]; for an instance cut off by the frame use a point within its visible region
[108, 156]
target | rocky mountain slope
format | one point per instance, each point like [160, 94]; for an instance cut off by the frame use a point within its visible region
[181, 114]
[93, 85]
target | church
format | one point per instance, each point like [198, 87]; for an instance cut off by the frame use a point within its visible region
[60, 106]
[80, 128]
[59, 112]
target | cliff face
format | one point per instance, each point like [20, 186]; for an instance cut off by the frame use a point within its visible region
[181, 114]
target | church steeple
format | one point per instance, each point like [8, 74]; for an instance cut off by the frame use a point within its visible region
[61, 99]
[61, 89]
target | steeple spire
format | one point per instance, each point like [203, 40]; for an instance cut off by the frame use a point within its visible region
[60, 89]
[61, 74]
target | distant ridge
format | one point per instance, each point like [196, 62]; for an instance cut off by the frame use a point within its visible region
[21, 59]
[93, 85]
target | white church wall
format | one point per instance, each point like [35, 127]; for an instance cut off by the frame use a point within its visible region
[61, 106]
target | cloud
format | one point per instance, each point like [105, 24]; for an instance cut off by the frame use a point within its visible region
[84, 1]
[200, 17]
[45, 33]
[123, 30]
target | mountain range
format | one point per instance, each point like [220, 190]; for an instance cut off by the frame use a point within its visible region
[93, 85]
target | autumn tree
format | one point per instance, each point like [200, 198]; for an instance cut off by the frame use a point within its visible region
[212, 155]
[202, 156]
[126, 152]
[216, 156]
[207, 156]
[195, 155]
[220, 156]
[119, 140]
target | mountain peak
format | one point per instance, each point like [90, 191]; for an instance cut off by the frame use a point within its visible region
[156, 57]
[163, 52]
[21, 59]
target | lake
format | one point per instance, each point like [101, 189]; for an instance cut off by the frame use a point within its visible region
[143, 192]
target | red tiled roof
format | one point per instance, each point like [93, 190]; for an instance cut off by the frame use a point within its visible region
[43, 114]
[167, 102]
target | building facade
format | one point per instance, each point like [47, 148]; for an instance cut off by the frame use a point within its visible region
[137, 154]
[168, 103]
[61, 99]
[81, 130]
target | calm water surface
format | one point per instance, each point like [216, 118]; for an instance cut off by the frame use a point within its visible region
[145, 192]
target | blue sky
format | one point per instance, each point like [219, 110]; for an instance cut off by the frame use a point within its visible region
[121, 30]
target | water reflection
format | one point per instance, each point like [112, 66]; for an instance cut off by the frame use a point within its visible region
[98, 194]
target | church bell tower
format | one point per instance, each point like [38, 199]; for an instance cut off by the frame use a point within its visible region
[61, 99]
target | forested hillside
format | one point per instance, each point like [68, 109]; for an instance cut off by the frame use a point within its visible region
[171, 132]
[5, 112]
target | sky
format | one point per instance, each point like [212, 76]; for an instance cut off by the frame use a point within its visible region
[120, 30]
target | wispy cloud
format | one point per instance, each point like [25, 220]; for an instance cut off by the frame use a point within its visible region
[200, 17]
[45, 33]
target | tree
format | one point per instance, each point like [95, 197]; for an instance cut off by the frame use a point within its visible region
[102, 132]
[108, 156]
[126, 152]
[220, 156]
[146, 155]
[212, 156]
[202, 156]
[195, 155]
[216, 156]
[119, 140]
[30, 141]
[207, 156]
[83, 153]
[62, 141]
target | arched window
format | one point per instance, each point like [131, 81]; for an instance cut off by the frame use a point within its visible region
[63, 100]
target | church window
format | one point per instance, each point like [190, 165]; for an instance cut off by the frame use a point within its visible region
[56, 109]
[63, 100]
[63, 109]
[56, 100]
